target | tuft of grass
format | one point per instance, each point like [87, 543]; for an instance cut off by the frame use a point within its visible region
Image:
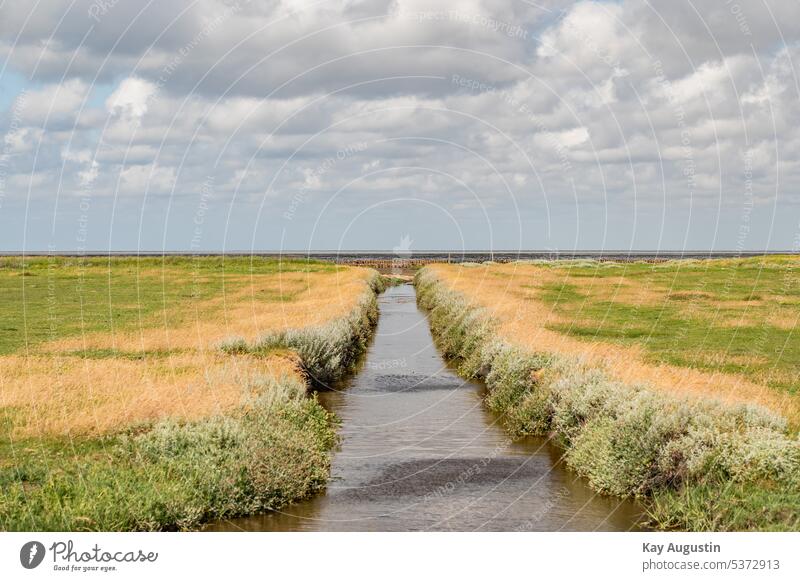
[629, 440]
[233, 345]
[388, 280]
[726, 506]
[110, 353]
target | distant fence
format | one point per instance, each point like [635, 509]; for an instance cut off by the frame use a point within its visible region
[382, 263]
[386, 262]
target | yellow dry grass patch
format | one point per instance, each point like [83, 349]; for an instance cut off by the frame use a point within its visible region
[181, 374]
[522, 320]
[69, 396]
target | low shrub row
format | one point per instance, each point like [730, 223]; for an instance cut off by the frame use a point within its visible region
[175, 476]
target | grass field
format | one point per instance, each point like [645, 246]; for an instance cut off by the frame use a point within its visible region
[121, 410]
[675, 383]
[726, 329]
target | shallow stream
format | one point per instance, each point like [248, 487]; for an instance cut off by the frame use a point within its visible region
[420, 451]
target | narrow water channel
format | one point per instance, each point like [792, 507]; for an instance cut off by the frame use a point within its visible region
[419, 451]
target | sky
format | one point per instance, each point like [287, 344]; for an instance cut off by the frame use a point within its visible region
[225, 125]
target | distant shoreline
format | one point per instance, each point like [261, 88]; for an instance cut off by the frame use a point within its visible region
[355, 256]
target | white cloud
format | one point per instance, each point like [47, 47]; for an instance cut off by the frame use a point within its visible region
[705, 82]
[130, 99]
[623, 99]
[54, 103]
[141, 179]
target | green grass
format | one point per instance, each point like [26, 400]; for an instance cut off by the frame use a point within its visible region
[54, 297]
[121, 354]
[172, 476]
[727, 506]
[272, 450]
[690, 314]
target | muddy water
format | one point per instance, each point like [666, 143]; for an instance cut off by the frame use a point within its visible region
[420, 452]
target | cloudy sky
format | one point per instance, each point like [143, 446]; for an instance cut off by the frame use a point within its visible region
[505, 124]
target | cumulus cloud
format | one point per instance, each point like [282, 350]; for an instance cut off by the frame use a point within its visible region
[130, 99]
[54, 103]
[542, 122]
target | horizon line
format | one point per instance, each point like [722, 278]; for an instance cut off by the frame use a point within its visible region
[402, 253]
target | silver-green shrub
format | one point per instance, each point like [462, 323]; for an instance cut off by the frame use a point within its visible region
[327, 351]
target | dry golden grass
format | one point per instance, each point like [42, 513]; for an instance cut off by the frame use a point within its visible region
[63, 395]
[508, 293]
[170, 370]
